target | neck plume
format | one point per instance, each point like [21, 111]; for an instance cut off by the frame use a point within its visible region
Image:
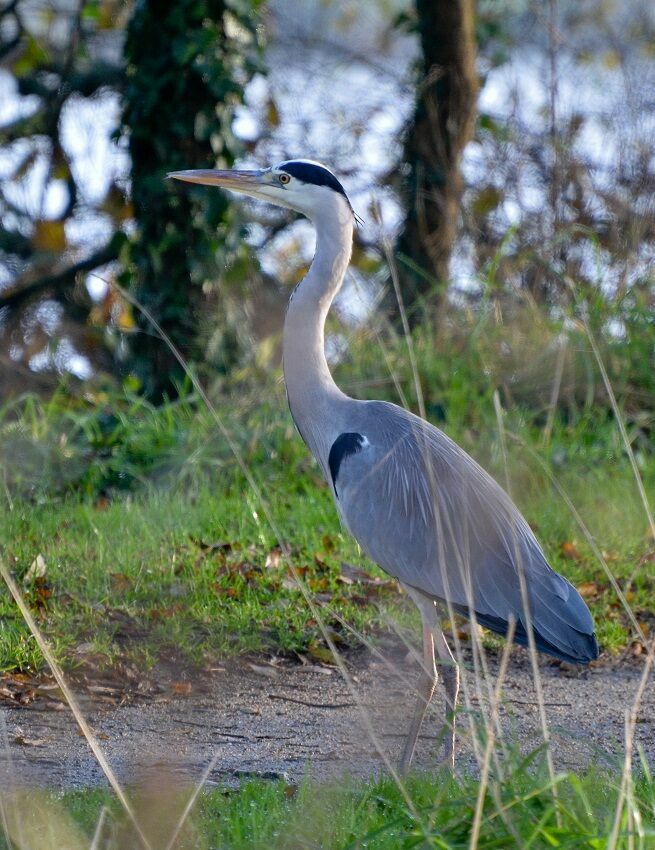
[314, 398]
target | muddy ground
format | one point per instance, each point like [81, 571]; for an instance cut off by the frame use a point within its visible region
[270, 719]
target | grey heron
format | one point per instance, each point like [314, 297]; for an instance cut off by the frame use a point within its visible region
[418, 505]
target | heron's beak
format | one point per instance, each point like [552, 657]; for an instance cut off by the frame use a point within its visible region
[245, 182]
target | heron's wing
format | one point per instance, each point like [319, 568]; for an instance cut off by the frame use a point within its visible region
[429, 515]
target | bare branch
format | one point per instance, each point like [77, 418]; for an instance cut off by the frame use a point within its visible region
[19, 293]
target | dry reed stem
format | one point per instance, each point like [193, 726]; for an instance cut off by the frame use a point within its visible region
[91, 739]
[528, 618]
[393, 270]
[630, 726]
[385, 353]
[490, 733]
[188, 808]
[617, 412]
[97, 834]
[554, 396]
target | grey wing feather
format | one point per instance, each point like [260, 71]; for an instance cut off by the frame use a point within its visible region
[429, 515]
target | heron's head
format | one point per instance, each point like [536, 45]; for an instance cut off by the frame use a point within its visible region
[298, 184]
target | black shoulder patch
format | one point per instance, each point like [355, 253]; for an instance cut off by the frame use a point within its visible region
[346, 444]
[311, 172]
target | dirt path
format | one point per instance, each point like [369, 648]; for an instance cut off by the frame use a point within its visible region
[285, 720]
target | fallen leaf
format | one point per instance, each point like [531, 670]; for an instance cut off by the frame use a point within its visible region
[570, 551]
[181, 688]
[230, 592]
[28, 742]
[273, 559]
[120, 582]
[40, 592]
[328, 543]
[588, 590]
[37, 570]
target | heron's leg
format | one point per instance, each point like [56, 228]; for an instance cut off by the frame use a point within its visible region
[426, 686]
[450, 676]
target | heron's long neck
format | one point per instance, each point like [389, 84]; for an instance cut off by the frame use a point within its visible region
[313, 396]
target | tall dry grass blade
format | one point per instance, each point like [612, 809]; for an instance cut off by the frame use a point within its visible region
[532, 648]
[284, 547]
[554, 395]
[395, 279]
[491, 737]
[630, 726]
[97, 834]
[621, 423]
[188, 808]
[10, 501]
[385, 351]
[91, 739]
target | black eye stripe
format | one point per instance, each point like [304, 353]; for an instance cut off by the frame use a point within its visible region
[309, 172]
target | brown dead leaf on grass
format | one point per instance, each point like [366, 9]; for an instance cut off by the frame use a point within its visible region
[228, 592]
[120, 582]
[570, 551]
[328, 543]
[589, 590]
[273, 559]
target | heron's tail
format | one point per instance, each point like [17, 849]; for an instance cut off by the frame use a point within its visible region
[586, 645]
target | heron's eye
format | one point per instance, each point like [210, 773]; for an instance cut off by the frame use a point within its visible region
[284, 178]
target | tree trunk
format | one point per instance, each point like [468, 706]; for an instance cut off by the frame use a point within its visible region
[185, 77]
[444, 120]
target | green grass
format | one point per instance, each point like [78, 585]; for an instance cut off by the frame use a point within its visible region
[433, 812]
[198, 573]
[180, 564]
[127, 503]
